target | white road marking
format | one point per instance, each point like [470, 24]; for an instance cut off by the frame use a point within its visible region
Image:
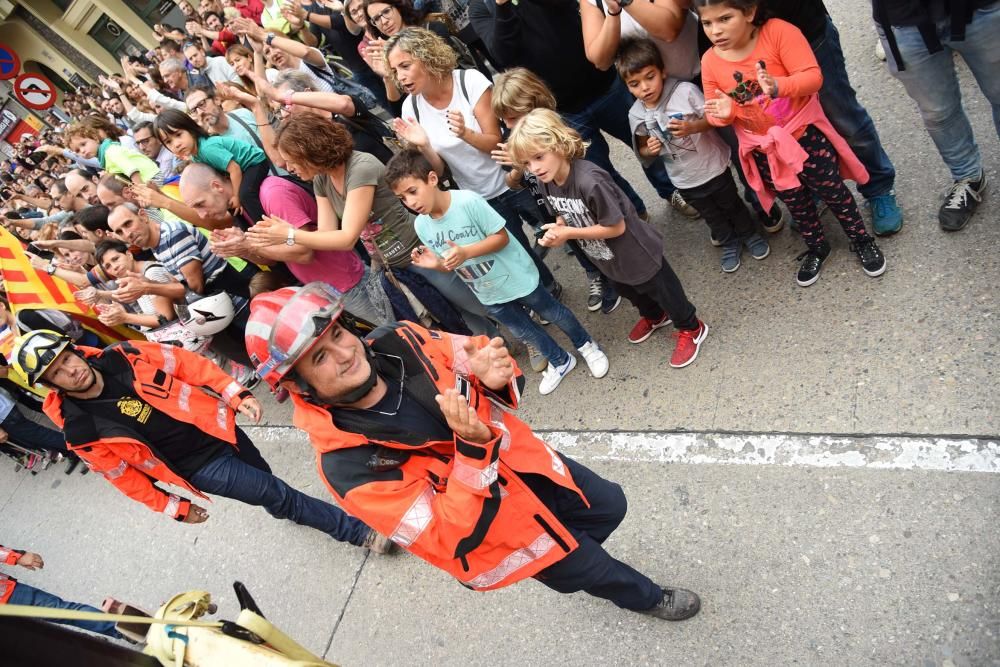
[819, 451]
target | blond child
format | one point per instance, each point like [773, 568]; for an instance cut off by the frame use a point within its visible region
[595, 212]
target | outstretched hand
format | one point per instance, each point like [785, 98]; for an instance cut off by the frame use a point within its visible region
[461, 418]
[720, 106]
[492, 364]
[250, 407]
[31, 561]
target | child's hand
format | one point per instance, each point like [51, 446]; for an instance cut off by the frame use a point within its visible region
[556, 234]
[456, 123]
[720, 106]
[234, 203]
[653, 146]
[409, 130]
[680, 128]
[766, 81]
[423, 257]
[502, 157]
[454, 256]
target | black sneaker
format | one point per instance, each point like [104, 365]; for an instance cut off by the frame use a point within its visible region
[773, 221]
[812, 262]
[611, 300]
[677, 604]
[595, 293]
[960, 203]
[872, 259]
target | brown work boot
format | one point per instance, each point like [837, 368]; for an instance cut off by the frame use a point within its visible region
[677, 604]
[378, 543]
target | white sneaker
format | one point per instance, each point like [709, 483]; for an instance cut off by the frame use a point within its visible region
[596, 360]
[552, 376]
[879, 50]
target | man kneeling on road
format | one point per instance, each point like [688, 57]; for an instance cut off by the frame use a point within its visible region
[137, 413]
[415, 435]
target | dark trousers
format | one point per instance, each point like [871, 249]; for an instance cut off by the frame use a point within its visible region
[253, 178]
[36, 597]
[663, 293]
[590, 568]
[22, 431]
[720, 205]
[820, 177]
[245, 476]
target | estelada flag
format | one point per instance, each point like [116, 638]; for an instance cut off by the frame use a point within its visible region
[30, 289]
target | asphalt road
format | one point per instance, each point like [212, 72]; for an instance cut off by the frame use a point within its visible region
[875, 546]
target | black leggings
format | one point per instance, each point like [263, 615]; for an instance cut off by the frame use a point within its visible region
[253, 178]
[820, 177]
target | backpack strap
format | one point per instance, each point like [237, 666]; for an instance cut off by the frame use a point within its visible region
[253, 134]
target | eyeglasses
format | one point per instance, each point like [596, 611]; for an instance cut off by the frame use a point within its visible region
[142, 142]
[196, 107]
[383, 15]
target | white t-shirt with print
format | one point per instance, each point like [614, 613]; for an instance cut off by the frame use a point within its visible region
[472, 168]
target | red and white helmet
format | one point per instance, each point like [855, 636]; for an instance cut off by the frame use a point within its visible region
[286, 323]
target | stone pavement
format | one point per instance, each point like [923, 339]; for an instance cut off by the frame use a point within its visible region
[834, 497]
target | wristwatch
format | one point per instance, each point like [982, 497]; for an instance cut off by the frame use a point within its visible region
[270, 38]
[290, 239]
[51, 269]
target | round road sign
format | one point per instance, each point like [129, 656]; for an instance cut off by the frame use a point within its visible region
[34, 91]
[10, 64]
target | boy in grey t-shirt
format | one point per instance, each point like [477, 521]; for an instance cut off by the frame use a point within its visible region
[667, 122]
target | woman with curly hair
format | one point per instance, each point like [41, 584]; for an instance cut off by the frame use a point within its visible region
[447, 115]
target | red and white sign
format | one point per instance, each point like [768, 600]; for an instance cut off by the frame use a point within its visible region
[10, 64]
[34, 91]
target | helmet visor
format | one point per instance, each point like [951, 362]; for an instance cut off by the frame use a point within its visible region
[300, 322]
[36, 357]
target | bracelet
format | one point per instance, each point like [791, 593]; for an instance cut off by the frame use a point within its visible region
[615, 13]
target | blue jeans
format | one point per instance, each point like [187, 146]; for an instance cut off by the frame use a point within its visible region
[35, 597]
[244, 476]
[514, 316]
[849, 118]
[517, 207]
[929, 78]
[22, 431]
[609, 112]
[461, 297]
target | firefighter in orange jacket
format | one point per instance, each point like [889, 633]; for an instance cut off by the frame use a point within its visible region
[137, 413]
[415, 434]
[13, 591]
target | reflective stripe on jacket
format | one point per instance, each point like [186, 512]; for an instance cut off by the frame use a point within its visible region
[460, 506]
[170, 379]
[7, 583]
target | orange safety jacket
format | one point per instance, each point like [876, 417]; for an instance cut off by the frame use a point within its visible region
[169, 379]
[460, 506]
[7, 583]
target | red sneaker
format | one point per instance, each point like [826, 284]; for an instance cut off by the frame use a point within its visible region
[644, 328]
[688, 343]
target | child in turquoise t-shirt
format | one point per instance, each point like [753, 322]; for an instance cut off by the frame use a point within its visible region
[246, 164]
[461, 232]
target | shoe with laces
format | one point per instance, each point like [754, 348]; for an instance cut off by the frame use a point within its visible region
[872, 259]
[677, 604]
[595, 293]
[536, 359]
[758, 246]
[731, 256]
[645, 327]
[961, 202]
[596, 360]
[773, 221]
[887, 218]
[812, 261]
[714, 241]
[553, 375]
[682, 207]
[688, 344]
[378, 543]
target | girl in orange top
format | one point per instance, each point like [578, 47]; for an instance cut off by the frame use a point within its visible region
[761, 77]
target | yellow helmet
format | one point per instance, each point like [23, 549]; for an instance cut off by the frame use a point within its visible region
[35, 351]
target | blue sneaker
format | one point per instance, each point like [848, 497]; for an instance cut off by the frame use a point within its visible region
[731, 256]
[887, 218]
